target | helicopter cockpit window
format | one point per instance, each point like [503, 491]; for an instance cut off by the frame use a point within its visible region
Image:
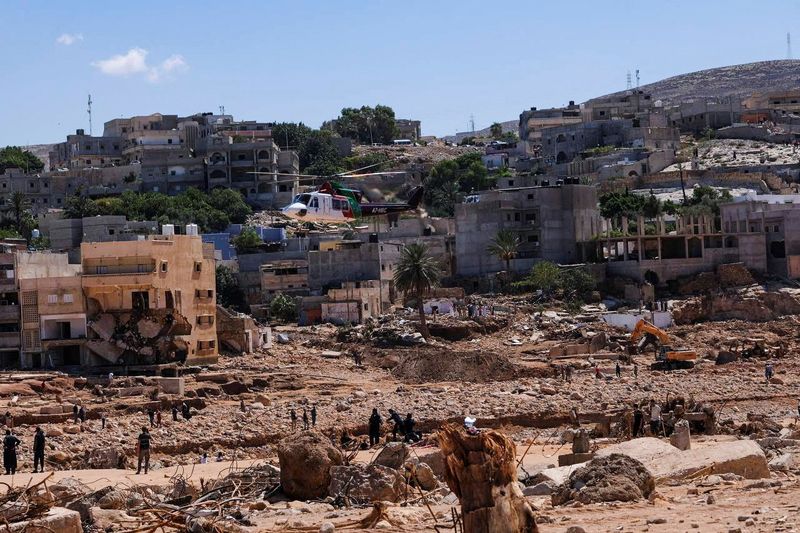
[302, 199]
[338, 205]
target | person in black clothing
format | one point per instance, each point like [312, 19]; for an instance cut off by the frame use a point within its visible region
[82, 414]
[408, 425]
[305, 419]
[74, 413]
[638, 418]
[375, 422]
[398, 423]
[38, 449]
[10, 443]
[314, 415]
[618, 370]
[186, 413]
[143, 449]
[152, 416]
[174, 413]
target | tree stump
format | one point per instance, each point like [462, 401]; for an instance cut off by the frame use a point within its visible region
[481, 470]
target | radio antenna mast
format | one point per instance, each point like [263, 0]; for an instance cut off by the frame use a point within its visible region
[89, 111]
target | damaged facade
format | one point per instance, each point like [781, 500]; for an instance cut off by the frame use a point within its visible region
[151, 301]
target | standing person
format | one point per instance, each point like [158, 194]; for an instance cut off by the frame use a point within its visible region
[635, 371]
[38, 450]
[597, 374]
[241, 405]
[82, 414]
[408, 425]
[293, 417]
[204, 458]
[185, 411]
[305, 419]
[158, 417]
[143, 450]
[398, 423]
[103, 420]
[618, 370]
[174, 413]
[768, 371]
[637, 420]
[74, 413]
[219, 457]
[655, 418]
[152, 416]
[569, 373]
[314, 415]
[375, 422]
[10, 443]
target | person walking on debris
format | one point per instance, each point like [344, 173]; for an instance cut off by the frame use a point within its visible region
[655, 418]
[103, 420]
[314, 415]
[408, 425]
[143, 450]
[375, 422]
[174, 413]
[38, 450]
[635, 371]
[185, 411]
[74, 413]
[293, 417]
[768, 371]
[398, 423]
[569, 373]
[10, 443]
[158, 418]
[152, 416]
[638, 418]
[241, 405]
[618, 370]
[305, 419]
[597, 374]
[82, 414]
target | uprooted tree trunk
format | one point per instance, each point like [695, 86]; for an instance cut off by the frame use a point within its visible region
[481, 470]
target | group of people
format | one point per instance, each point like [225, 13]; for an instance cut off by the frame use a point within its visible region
[405, 427]
[78, 414]
[10, 444]
[306, 425]
[653, 413]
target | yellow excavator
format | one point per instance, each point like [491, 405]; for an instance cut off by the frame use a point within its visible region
[667, 358]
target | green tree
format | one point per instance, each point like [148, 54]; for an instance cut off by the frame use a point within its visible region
[466, 171]
[318, 155]
[231, 203]
[416, 273]
[576, 284]
[496, 129]
[20, 205]
[444, 199]
[247, 241]
[229, 294]
[545, 276]
[366, 124]
[283, 308]
[16, 157]
[291, 134]
[505, 246]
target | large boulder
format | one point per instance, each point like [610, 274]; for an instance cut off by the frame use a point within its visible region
[366, 483]
[681, 437]
[605, 479]
[305, 461]
[105, 458]
[393, 455]
[433, 459]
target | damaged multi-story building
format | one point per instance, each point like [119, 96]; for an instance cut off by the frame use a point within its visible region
[152, 300]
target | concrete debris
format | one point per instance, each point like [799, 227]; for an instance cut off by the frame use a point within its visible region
[365, 484]
[610, 478]
[305, 465]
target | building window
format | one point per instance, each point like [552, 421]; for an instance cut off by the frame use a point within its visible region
[52, 298]
[140, 300]
[67, 298]
[510, 183]
[164, 266]
[198, 266]
[169, 141]
[101, 269]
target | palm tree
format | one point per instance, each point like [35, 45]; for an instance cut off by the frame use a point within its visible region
[19, 205]
[416, 273]
[505, 246]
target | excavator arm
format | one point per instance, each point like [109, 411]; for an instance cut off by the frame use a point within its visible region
[643, 327]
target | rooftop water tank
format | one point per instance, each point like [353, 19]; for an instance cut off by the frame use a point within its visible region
[168, 229]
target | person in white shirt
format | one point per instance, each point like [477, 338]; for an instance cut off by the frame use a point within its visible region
[655, 418]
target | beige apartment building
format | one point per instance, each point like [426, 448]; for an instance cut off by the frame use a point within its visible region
[151, 301]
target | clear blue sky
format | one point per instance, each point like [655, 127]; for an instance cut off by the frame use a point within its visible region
[294, 60]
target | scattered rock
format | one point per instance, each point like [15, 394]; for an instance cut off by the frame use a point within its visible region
[680, 437]
[393, 455]
[612, 478]
[366, 483]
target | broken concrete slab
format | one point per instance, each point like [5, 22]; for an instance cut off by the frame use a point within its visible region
[171, 385]
[56, 519]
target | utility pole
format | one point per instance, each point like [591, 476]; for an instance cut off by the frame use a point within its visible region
[472, 123]
[89, 111]
[788, 46]
[628, 79]
[222, 110]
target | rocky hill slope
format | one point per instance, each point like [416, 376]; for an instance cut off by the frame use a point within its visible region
[735, 80]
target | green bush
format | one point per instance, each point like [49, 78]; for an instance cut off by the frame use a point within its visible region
[283, 308]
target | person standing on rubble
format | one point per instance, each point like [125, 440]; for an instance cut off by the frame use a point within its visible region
[82, 414]
[635, 371]
[74, 413]
[314, 415]
[10, 443]
[769, 371]
[103, 420]
[618, 370]
[143, 450]
[597, 374]
[655, 418]
[152, 416]
[375, 422]
[305, 419]
[638, 418]
[174, 413]
[293, 417]
[398, 423]
[158, 417]
[38, 449]
[569, 373]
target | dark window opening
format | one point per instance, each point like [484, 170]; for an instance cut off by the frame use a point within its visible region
[140, 300]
